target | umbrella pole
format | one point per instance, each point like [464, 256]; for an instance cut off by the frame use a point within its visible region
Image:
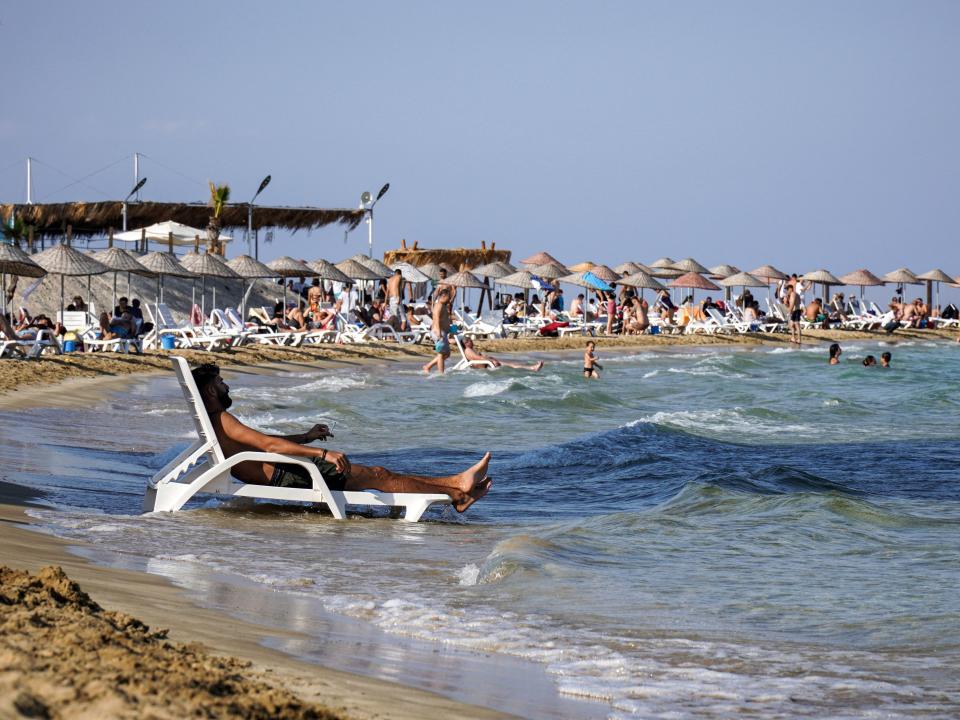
[3, 298]
[61, 297]
[203, 299]
[114, 290]
[89, 280]
[128, 284]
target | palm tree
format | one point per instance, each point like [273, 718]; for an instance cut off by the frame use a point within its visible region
[219, 195]
[14, 232]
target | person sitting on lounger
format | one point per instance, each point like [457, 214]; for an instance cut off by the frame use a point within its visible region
[338, 472]
[471, 353]
[118, 328]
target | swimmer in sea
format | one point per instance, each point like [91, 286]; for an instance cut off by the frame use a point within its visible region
[590, 364]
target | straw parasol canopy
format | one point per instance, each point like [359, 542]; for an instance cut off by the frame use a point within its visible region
[246, 267]
[664, 262]
[862, 277]
[901, 276]
[207, 265]
[605, 273]
[451, 270]
[768, 273]
[935, 275]
[464, 279]
[507, 266]
[824, 277]
[665, 272]
[374, 264]
[550, 271]
[410, 273]
[119, 260]
[719, 272]
[491, 270]
[541, 258]
[356, 271]
[521, 279]
[163, 263]
[64, 260]
[431, 270]
[628, 268]
[14, 261]
[587, 279]
[690, 265]
[286, 266]
[641, 279]
[742, 279]
[694, 281]
[582, 267]
[328, 271]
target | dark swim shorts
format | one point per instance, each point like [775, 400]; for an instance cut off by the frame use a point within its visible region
[296, 476]
[795, 316]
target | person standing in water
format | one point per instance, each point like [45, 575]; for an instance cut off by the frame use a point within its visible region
[590, 364]
[835, 354]
[440, 330]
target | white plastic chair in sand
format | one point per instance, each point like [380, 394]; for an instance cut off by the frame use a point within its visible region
[204, 469]
[466, 364]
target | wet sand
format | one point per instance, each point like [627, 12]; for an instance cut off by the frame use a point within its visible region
[57, 651]
[17, 374]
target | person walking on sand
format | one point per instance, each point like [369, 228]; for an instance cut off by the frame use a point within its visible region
[440, 330]
[590, 364]
[471, 353]
[793, 307]
[464, 488]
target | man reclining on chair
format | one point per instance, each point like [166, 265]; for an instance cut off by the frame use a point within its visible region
[471, 353]
[235, 437]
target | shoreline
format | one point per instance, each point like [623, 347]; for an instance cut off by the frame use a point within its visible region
[19, 376]
[160, 604]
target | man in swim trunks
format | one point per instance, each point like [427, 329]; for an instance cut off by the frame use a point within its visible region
[395, 296]
[590, 364]
[792, 300]
[464, 488]
[440, 329]
[471, 353]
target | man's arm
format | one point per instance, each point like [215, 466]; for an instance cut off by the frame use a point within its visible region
[243, 435]
[317, 432]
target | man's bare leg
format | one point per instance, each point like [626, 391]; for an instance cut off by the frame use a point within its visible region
[363, 477]
[532, 368]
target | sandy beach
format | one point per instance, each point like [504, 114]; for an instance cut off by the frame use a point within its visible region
[65, 656]
[51, 369]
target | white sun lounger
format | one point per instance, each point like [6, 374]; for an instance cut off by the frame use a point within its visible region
[465, 364]
[203, 469]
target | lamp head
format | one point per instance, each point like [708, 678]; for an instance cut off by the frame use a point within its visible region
[266, 181]
[143, 181]
[383, 190]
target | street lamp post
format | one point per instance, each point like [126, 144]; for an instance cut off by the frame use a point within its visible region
[251, 246]
[368, 202]
[133, 192]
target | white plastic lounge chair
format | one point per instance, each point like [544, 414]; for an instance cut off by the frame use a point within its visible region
[30, 348]
[203, 469]
[188, 335]
[465, 364]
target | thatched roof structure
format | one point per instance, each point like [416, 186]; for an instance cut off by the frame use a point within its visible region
[457, 257]
[97, 218]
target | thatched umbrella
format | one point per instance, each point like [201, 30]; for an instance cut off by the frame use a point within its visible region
[741, 280]
[825, 278]
[378, 267]
[642, 280]
[464, 279]
[718, 272]
[287, 267]
[507, 266]
[63, 260]
[431, 270]
[589, 280]
[664, 262]
[934, 276]
[492, 270]
[541, 258]
[770, 274]
[119, 260]
[550, 271]
[629, 268]
[862, 277]
[604, 273]
[582, 267]
[902, 276]
[521, 279]
[410, 273]
[14, 261]
[693, 281]
[207, 265]
[357, 271]
[665, 272]
[249, 269]
[451, 270]
[690, 265]
[326, 270]
[164, 263]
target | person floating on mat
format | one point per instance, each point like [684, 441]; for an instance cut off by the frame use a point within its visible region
[339, 473]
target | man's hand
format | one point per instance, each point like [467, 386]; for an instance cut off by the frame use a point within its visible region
[339, 460]
[317, 432]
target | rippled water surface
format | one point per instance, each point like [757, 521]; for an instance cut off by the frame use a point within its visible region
[700, 533]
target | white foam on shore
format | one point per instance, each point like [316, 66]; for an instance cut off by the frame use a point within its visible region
[728, 423]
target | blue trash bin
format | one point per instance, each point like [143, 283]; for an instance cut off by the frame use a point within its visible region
[167, 342]
[69, 346]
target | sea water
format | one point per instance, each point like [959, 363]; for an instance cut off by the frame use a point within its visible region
[700, 533]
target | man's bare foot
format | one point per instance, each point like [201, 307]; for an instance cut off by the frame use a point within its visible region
[479, 490]
[468, 479]
[426, 368]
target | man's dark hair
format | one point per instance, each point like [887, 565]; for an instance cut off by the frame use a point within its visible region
[886, 356]
[205, 375]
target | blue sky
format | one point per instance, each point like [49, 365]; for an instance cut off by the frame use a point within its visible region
[803, 134]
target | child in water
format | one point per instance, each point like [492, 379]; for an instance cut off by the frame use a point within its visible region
[590, 364]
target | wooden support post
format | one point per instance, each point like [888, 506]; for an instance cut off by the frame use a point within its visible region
[170, 242]
[143, 240]
[69, 235]
[110, 238]
[30, 239]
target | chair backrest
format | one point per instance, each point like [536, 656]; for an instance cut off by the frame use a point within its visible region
[201, 420]
[165, 317]
[233, 319]
[716, 316]
[73, 320]
[219, 320]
